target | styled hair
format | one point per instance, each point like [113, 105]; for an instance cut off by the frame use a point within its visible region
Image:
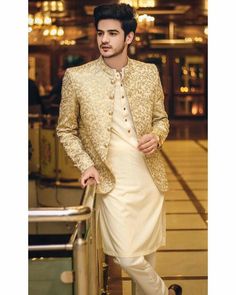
[122, 12]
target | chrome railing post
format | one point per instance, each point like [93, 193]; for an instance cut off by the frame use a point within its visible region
[80, 267]
[93, 265]
[87, 258]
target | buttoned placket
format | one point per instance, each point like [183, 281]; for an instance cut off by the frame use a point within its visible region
[123, 101]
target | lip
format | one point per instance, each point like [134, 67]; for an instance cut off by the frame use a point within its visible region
[105, 47]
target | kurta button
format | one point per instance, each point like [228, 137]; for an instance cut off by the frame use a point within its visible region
[109, 129]
[106, 145]
[111, 96]
[112, 81]
[123, 96]
[110, 113]
[129, 131]
[124, 109]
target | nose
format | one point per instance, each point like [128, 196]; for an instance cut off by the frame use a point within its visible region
[105, 38]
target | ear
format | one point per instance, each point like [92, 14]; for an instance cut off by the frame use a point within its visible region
[129, 38]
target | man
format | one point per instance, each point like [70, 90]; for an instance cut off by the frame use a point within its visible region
[112, 123]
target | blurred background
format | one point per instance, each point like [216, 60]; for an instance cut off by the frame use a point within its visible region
[173, 34]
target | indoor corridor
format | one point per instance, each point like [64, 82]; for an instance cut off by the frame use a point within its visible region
[184, 258]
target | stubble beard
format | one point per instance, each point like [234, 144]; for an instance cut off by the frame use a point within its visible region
[114, 54]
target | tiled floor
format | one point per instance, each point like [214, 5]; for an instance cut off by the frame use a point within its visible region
[184, 258]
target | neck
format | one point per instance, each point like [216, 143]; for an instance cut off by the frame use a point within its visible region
[117, 62]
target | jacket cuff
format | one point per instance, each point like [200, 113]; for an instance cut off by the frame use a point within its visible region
[85, 165]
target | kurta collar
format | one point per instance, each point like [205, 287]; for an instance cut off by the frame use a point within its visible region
[111, 72]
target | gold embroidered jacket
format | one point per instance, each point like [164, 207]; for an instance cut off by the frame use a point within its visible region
[86, 115]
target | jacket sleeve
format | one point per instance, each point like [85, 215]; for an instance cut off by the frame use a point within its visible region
[67, 127]
[160, 120]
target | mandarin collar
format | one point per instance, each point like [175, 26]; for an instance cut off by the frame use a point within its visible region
[111, 72]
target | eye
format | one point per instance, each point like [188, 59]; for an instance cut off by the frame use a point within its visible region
[99, 34]
[113, 33]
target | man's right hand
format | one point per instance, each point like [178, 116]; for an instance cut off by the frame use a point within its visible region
[89, 173]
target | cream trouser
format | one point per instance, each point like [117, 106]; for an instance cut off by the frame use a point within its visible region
[142, 271]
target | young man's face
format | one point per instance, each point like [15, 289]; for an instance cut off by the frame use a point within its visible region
[111, 38]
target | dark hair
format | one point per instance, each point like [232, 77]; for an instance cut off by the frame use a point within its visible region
[122, 12]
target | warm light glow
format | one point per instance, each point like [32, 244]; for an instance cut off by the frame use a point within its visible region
[30, 29]
[53, 5]
[38, 19]
[60, 6]
[60, 31]
[185, 72]
[177, 60]
[145, 17]
[47, 20]
[194, 109]
[45, 6]
[146, 3]
[188, 39]
[206, 31]
[53, 31]
[200, 109]
[183, 89]
[46, 32]
[30, 20]
[137, 38]
[145, 21]
[139, 3]
[198, 39]
[133, 3]
[163, 59]
[192, 72]
[67, 42]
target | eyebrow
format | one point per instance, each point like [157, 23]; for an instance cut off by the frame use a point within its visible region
[111, 31]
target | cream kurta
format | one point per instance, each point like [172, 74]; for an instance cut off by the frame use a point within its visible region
[131, 216]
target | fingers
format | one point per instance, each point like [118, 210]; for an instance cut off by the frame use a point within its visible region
[84, 180]
[148, 144]
[149, 150]
[145, 138]
[90, 181]
[90, 176]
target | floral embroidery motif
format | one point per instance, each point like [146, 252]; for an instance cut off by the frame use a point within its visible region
[86, 115]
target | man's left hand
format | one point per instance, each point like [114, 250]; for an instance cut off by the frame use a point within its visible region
[148, 144]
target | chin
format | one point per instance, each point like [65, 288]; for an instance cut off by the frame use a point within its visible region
[106, 54]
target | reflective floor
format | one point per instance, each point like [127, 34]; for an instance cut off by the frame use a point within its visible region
[184, 258]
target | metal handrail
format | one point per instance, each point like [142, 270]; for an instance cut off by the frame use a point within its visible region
[89, 193]
[62, 214]
[54, 247]
[78, 244]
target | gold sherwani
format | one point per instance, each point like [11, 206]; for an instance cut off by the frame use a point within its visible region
[84, 125]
